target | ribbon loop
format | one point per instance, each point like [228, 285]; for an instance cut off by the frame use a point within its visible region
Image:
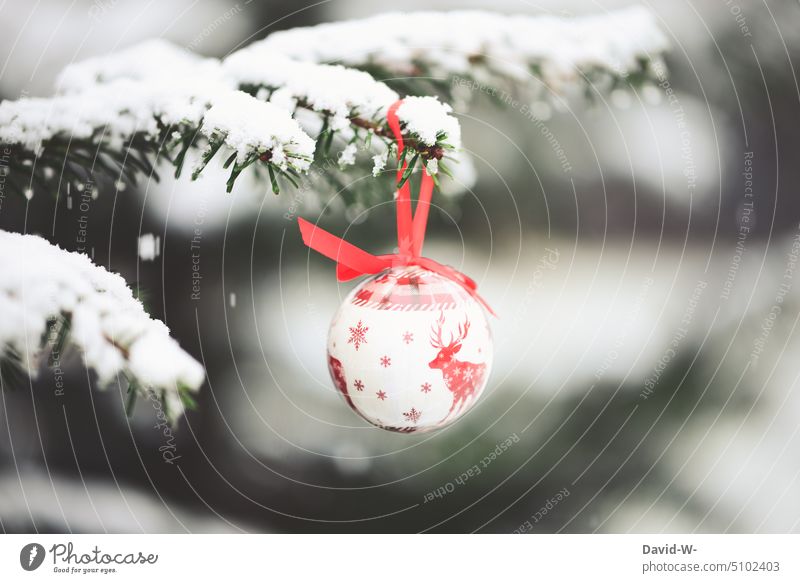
[352, 261]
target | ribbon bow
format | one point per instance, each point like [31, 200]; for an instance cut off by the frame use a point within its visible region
[352, 262]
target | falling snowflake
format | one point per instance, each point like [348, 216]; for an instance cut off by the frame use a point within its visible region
[381, 395]
[358, 385]
[358, 335]
[412, 415]
[386, 361]
[426, 388]
[408, 337]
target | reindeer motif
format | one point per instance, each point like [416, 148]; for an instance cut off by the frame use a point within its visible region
[461, 378]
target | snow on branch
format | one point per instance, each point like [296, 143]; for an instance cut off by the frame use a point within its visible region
[158, 99]
[338, 92]
[118, 112]
[250, 126]
[255, 131]
[51, 298]
[467, 43]
[117, 126]
[350, 101]
[331, 89]
[429, 119]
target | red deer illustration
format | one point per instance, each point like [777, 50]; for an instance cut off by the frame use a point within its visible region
[461, 377]
[337, 373]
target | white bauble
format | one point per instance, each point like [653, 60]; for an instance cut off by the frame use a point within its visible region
[410, 350]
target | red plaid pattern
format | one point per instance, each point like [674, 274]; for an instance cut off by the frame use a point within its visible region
[409, 289]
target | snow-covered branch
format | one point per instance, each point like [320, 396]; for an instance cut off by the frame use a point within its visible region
[51, 299]
[156, 99]
[116, 113]
[347, 97]
[343, 102]
[116, 126]
[557, 51]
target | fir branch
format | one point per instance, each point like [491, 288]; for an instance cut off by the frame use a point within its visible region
[348, 101]
[51, 299]
[124, 128]
[432, 52]
[158, 91]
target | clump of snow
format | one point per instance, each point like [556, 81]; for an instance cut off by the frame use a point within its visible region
[426, 117]
[42, 282]
[379, 162]
[347, 157]
[450, 43]
[250, 125]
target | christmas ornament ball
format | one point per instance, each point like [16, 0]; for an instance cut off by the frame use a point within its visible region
[410, 350]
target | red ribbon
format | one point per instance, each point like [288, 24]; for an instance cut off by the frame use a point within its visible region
[352, 262]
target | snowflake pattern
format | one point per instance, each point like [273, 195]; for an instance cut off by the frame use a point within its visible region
[359, 385]
[412, 415]
[386, 362]
[381, 395]
[408, 337]
[425, 388]
[358, 335]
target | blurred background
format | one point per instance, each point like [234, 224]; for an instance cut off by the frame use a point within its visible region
[643, 270]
